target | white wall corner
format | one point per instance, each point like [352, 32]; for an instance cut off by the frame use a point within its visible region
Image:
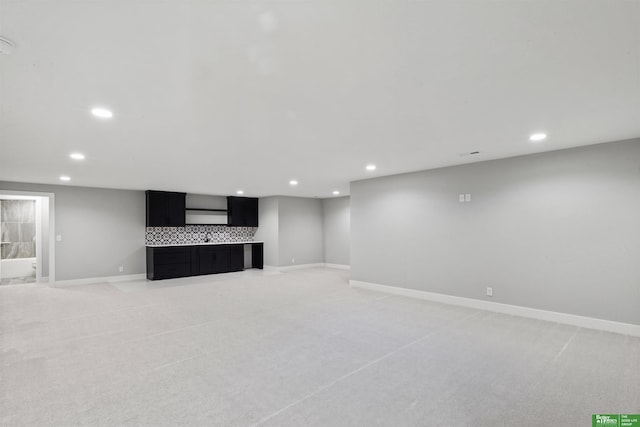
[514, 310]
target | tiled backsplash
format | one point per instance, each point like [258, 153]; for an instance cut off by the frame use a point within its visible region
[198, 234]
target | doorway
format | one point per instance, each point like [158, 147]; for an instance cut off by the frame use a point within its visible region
[26, 238]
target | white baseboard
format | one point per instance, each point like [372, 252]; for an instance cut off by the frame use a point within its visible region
[302, 266]
[338, 266]
[514, 310]
[90, 280]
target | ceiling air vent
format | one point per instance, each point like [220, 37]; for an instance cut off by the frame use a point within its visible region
[6, 46]
[473, 153]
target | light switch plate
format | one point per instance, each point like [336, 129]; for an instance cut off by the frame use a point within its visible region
[461, 198]
[467, 197]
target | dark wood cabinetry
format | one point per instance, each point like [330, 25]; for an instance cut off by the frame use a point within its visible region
[168, 209]
[236, 257]
[165, 209]
[242, 211]
[257, 256]
[168, 263]
[212, 259]
[183, 261]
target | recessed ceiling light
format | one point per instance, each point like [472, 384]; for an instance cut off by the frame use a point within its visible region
[102, 113]
[335, 193]
[77, 156]
[293, 182]
[64, 178]
[239, 192]
[371, 167]
[537, 137]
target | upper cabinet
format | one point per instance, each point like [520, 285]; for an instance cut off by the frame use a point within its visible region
[165, 209]
[242, 211]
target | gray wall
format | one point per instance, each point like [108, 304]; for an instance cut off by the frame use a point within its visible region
[291, 228]
[101, 229]
[556, 231]
[336, 230]
[300, 231]
[268, 229]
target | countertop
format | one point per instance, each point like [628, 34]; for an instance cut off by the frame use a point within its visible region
[168, 245]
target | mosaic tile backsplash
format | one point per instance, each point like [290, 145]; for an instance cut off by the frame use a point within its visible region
[198, 234]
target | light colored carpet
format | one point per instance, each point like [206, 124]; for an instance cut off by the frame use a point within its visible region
[294, 349]
[17, 280]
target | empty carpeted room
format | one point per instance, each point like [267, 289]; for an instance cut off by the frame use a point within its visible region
[319, 213]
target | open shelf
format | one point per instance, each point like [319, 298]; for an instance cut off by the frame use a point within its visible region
[206, 216]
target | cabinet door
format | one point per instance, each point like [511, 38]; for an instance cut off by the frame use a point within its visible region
[222, 259]
[157, 203]
[213, 259]
[171, 271]
[166, 263]
[207, 257]
[176, 210]
[235, 213]
[165, 209]
[251, 213]
[242, 211]
[257, 255]
[236, 257]
[172, 255]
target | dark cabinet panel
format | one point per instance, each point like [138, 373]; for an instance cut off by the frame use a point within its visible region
[183, 261]
[212, 259]
[171, 271]
[172, 255]
[251, 213]
[236, 257]
[177, 211]
[165, 209]
[206, 260]
[166, 263]
[156, 209]
[257, 255]
[222, 260]
[242, 211]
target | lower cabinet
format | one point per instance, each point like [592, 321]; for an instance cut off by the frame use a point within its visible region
[183, 261]
[236, 257]
[167, 263]
[211, 259]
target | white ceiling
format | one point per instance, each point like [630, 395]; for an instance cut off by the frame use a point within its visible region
[214, 96]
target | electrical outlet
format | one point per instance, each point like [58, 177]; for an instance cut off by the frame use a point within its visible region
[461, 198]
[489, 292]
[121, 269]
[467, 197]
[59, 238]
